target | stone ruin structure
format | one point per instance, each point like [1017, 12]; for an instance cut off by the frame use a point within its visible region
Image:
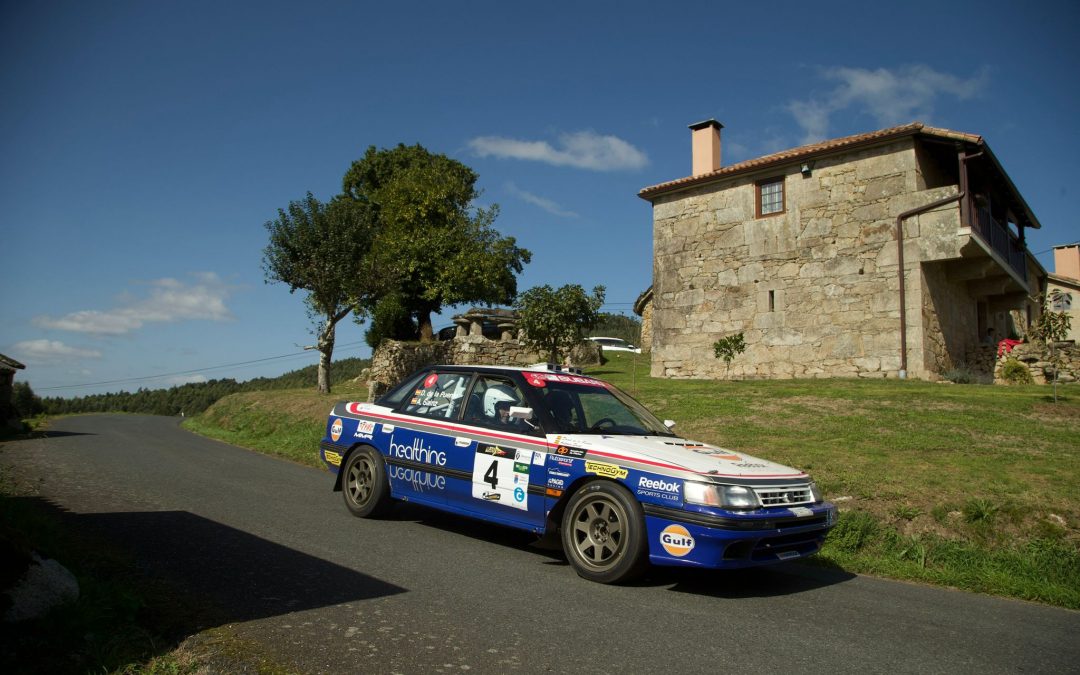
[393, 360]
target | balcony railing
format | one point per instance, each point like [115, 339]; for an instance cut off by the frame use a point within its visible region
[1001, 241]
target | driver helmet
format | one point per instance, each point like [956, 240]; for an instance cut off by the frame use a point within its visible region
[498, 397]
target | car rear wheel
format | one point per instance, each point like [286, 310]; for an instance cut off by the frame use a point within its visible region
[603, 533]
[364, 483]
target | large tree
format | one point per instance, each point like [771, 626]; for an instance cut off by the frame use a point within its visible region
[326, 250]
[553, 321]
[438, 247]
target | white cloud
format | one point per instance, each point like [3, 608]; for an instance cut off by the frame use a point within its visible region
[546, 204]
[45, 352]
[178, 380]
[169, 300]
[580, 149]
[890, 96]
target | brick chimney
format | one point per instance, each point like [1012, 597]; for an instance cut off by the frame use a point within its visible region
[1067, 261]
[705, 146]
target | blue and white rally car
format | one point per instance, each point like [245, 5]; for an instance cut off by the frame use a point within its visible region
[558, 453]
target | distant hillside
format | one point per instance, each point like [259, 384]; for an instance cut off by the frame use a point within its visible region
[191, 399]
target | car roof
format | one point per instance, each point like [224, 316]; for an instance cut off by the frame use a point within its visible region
[535, 368]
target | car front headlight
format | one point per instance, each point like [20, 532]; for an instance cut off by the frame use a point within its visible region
[815, 492]
[723, 496]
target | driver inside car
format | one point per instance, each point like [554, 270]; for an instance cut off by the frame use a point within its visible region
[498, 400]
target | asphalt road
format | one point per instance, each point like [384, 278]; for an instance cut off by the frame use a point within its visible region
[273, 550]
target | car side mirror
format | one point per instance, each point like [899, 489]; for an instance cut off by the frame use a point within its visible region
[670, 424]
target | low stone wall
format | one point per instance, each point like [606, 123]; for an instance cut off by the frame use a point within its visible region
[1035, 357]
[394, 360]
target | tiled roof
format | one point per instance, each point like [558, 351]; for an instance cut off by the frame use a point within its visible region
[806, 151]
[9, 363]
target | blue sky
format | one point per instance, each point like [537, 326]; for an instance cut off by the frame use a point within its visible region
[145, 144]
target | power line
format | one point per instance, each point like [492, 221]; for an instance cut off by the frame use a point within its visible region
[192, 371]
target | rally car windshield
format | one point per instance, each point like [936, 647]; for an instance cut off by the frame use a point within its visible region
[576, 408]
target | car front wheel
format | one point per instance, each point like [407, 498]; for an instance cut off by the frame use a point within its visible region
[603, 533]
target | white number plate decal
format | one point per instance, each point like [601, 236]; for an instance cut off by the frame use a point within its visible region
[501, 475]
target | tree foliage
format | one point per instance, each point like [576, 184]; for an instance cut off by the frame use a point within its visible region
[1050, 328]
[618, 326]
[553, 321]
[728, 348]
[436, 248]
[326, 250]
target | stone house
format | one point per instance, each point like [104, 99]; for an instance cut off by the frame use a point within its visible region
[1066, 281]
[884, 254]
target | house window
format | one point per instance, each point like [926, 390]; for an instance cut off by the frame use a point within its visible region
[1060, 302]
[770, 196]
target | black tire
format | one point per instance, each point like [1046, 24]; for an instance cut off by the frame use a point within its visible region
[364, 484]
[603, 533]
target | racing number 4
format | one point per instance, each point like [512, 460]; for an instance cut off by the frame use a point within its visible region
[492, 474]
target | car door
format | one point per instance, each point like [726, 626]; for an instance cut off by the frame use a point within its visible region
[420, 451]
[505, 458]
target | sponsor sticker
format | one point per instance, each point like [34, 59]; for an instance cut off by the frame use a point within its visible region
[538, 458]
[430, 381]
[567, 451]
[677, 541]
[462, 442]
[332, 458]
[563, 461]
[417, 452]
[357, 408]
[801, 511]
[364, 429]
[420, 481]
[388, 428]
[556, 483]
[663, 488]
[541, 379]
[606, 470]
[335, 430]
[494, 450]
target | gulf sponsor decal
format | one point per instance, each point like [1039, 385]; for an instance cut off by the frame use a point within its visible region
[605, 470]
[677, 541]
[335, 429]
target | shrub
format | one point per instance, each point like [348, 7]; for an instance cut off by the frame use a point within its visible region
[1015, 372]
[854, 531]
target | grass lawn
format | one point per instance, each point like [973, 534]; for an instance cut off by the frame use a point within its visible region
[971, 486]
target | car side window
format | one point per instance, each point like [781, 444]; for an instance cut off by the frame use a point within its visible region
[437, 395]
[490, 402]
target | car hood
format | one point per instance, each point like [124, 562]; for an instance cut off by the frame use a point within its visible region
[677, 454]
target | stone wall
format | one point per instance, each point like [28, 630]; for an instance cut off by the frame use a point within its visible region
[392, 361]
[815, 289]
[1035, 357]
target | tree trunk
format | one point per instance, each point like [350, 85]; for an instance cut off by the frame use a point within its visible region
[423, 320]
[326, 353]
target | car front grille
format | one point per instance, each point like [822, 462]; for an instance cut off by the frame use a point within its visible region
[785, 495]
